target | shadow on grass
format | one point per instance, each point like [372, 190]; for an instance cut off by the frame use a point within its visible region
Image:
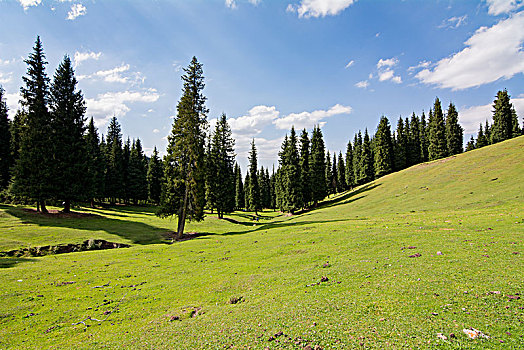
[348, 197]
[134, 231]
[10, 262]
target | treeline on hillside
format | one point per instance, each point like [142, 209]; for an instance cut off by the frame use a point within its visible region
[48, 152]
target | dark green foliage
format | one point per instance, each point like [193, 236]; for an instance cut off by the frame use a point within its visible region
[183, 192]
[487, 132]
[126, 156]
[246, 191]
[454, 132]
[331, 187]
[17, 129]
[357, 155]
[239, 188]
[318, 166]
[305, 169]
[154, 177]
[220, 168]
[366, 172]
[471, 144]
[70, 163]
[254, 189]
[5, 143]
[383, 148]
[290, 191]
[341, 174]
[272, 191]
[95, 173]
[481, 138]
[350, 175]
[114, 179]
[414, 147]
[33, 178]
[502, 128]
[515, 128]
[264, 185]
[437, 133]
[137, 178]
[400, 146]
[424, 142]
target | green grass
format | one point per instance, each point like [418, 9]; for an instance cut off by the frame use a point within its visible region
[469, 208]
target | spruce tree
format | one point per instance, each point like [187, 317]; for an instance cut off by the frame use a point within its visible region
[350, 175]
[95, 165]
[487, 132]
[5, 143]
[247, 204]
[263, 184]
[401, 146]
[183, 193]
[138, 190]
[437, 133]
[305, 170]
[424, 142]
[366, 160]
[329, 174]
[70, 163]
[254, 189]
[502, 128]
[33, 175]
[154, 175]
[272, 181]
[290, 174]
[454, 132]
[318, 166]
[357, 155]
[481, 138]
[114, 154]
[383, 148]
[17, 128]
[239, 188]
[414, 141]
[126, 156]
[471, 144]
[515, 128]
[341, 174]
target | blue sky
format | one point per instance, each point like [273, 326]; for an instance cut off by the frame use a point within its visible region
[272, 64]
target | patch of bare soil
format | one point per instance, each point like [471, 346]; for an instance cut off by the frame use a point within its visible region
[185, 237]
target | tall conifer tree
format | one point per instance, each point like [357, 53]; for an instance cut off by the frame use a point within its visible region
[318, 166]
[502, 128]
[454, 132]
[350, 175]
[481, 138]
[5, 143]
[254, 189]
[437, 133]
[154, 177]
[383, 148]
[424, 142]
[329, 174]
[138, 190]
[95, 164]
[239, 188]
[115, 162]
[341, 174]
[401, 146]
[305, 170]
[184, 194]
[414, 141]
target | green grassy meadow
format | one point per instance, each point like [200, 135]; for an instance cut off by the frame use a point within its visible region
[462, 218]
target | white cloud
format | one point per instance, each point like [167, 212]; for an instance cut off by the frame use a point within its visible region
[80, 57]
[350, 63]
[491, 54]
[497, 7]
[76, 11]
[423, 64]
[309, 119]
[390, 62]
[319, 8]
[114, 75]
[386, 72]
[110, 104]
[29, 3]
[156, 131]
[231, 4]
[257, 118]
[454, 22]
[5, 78]
[362, 84]
[178, 67]
[12, 103]
[7, 62]
[471, 117]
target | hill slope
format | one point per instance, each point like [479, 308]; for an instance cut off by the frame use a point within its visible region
[433, 249]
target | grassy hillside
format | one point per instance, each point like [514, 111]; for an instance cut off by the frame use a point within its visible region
[462, 220]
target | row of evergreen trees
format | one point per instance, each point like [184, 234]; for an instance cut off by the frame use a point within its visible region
[49, 152]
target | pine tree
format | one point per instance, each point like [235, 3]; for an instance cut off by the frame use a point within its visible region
[33, 175]
[290, 174]
[239, 188]
[154, 175]
[454, 132]
[366, 160]
[253, 190]
[487, 132]
[5, 143]
[414, 141]
[272, 183]
[318, 166]
[383, 148]
[263, 184]
[70, 163]
[305, 170]
[341, 174]
[470, 145]
[357, 157]
[17, 129]
[350, 175]
[114, 161]
[138, 190]
[329, 174]
[515, 128]
[126, 156]
[221, 160]
[400, 147]
[247, 203]
[424, 142]
[184, 193]
[481, 139]
[502, 128]
[95, 165]
[437, 133]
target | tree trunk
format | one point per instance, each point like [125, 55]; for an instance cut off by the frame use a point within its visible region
[67, 206]
[92, 203]
[38, 206]
[182, 217]
[42, 205]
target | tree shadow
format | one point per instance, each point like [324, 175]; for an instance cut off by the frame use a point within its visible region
[347, 197]
[10, 262]
[134, 231]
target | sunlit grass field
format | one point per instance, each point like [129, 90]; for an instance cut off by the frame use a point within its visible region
[433, 249]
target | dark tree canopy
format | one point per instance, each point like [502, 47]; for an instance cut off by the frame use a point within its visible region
[5, 143]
